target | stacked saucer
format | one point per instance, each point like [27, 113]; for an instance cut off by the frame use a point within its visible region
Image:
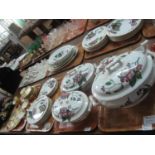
[49, 87]
[62, 57]
[39, 110]
[123, 29]
[81, 77]
[71, 107]
[95, 39]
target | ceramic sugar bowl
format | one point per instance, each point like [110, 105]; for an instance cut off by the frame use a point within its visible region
[125, 80]
[71, 107]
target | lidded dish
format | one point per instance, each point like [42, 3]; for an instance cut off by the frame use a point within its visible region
[39, 110]
[81, 77]
[123, 29]
[49, 87]
[95, 39]
[126, 80]
[71, 107]
[62, 56]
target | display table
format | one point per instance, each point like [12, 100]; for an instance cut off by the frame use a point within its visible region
[130, 120]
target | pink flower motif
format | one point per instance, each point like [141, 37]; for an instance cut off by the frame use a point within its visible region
[139, 67]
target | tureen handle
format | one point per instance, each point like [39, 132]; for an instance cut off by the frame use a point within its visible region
[114, 65]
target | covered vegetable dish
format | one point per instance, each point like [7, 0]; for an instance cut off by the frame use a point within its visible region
[126, 79]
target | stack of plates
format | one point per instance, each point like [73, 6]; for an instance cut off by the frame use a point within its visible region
[49, 87]
[95, 39]
[71, 107]
[39, 110]
[62, 56]
[78, 78]
[123, 29]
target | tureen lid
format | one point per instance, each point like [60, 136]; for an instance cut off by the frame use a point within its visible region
[70, 106]
[120, 27]
[61, 54]
[78, 77]
[123, 75]
[49, 87]
[38, 109]
[94, 37]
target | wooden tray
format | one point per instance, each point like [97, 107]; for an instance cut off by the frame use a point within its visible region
[148, 30]
[112, 46]
[43, 128]
[91, 25]
[127, 119]
[21, 126]
[89, 124]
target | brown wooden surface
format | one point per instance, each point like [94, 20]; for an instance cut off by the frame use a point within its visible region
[126, 119]
[88, 124]
[112, 46]
[91, 25]
[40, 128]
[148, 30]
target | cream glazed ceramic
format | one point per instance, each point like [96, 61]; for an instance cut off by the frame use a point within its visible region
[39, 110]
[71, 107]
[95, 39]
[78, 78]
[122, 29]
[62, 54]
[126, 80]
[49, 87]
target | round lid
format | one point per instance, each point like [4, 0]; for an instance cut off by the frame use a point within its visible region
[120, 27]
[38, 109]
[77, 77]
[61, 54]
[122, 76]
[70, 106]
[49, 87]
[94, 37]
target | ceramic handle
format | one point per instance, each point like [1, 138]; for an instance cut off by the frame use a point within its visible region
[113, 65]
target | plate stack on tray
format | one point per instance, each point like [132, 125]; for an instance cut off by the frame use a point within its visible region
[49, 87]
[123, 29]
[81, 77]
[62, 57]
[39, 110]
[95, 39]
[71, 107]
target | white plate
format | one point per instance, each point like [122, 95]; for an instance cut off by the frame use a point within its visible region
[39, 110]
[61, 54]
[95, 38]
[122, 29]
[49, 87]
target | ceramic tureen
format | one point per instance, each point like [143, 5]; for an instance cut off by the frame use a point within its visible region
[95, 39]
[78, 78]
[125, 80]
[71, 107]
[122, 29]
[39, 110]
